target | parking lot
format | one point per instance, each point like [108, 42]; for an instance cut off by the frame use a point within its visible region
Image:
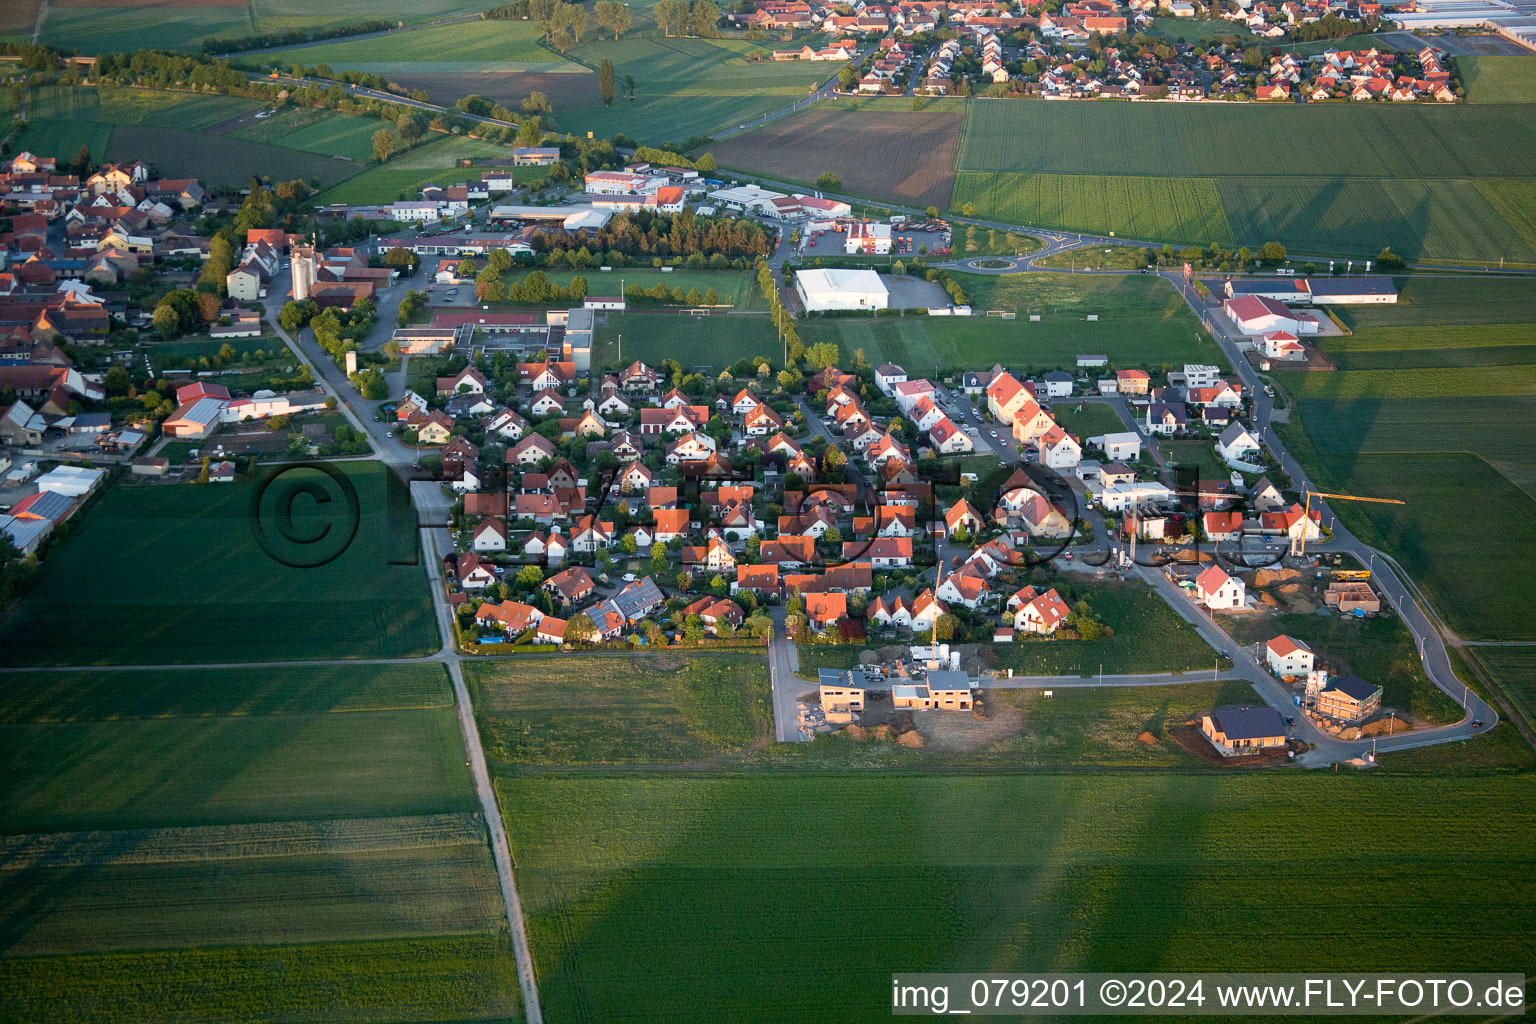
[905, 241]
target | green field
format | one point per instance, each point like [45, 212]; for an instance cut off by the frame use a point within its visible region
[124, 105]
[695, 341]
[1432, 404]
[180, 579]
[1103, 871]
[1142, 322]
[403, 176]
[1086, 419]
[684, 87]
[1194, 30]
[315, 131]
[1187, 209]
[1498, 79]
[1515, 668]
[736, 288]
[1446, 183]
[220, 159]
[124, 28]
[489, 46]
[614, 711]
[216, 830]
[274, 15]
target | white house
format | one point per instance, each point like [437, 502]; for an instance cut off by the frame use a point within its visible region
[887, 376]
[1058, 449]
[1218, 591]
[1121, 447]
[1236, 444]
[1257, 315]
[1057, 384]
[1288, 657]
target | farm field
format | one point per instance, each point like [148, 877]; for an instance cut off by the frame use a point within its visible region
[181, 580]
[684, 87]
[125, 27]
[668, 708]
[1498, 79]
[323, 817]
[483, 46]
[1399, 176]
[1378, 649]
[1062, 872]
[904, 156]
[695, 341]
[1142, 322]
[315, 131]
[1438, 408]
[17, 19]
[568, 86]
[1515, 668]
[1188, 209]
[123, 105]
[220, 159]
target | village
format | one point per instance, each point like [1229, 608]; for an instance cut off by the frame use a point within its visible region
[631, 504]
[1101, 49]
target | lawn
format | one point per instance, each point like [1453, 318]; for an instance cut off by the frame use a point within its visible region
[695, 341]
[669, 708]
[1498, 79]
[177, 577]
[315, 131]
[1378, 649]
[1141, 322]
[1086, 419]
[1103, 871]
[1195, 30]
[737, 288]
[403, 176]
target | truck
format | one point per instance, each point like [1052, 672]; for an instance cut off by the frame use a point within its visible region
[898, 218]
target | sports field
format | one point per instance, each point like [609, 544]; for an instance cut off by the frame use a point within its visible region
[1103, 871]
[205, 829]
[904, 156]
[178, 577]
[1431, 183]
[668, 708]
[695, 341]
[1432, 404]
[1141, 322]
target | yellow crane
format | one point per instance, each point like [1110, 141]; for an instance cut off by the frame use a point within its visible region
[1301, 547]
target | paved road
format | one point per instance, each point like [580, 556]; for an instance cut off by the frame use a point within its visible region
[783, 663]
[378, 94]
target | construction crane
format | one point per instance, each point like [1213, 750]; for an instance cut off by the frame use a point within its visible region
[1299, 544]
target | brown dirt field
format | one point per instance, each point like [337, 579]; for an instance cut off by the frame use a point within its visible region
[908, 156]
[150, 3]
[19, 15]
[566, 92]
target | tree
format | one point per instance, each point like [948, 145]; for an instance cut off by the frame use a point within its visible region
[845, 79]
[944, 627]
[116, 381]
[612, 14]
[704, 18]
[529, 133]
[167, 323]
[605, 81]
[530, 576]
[579, 629]
[384, 142]
[829, 182]
[932, 213]
[670, 14]
[1274, 252]
[411, 127]
[543, 12]
[705, 164]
